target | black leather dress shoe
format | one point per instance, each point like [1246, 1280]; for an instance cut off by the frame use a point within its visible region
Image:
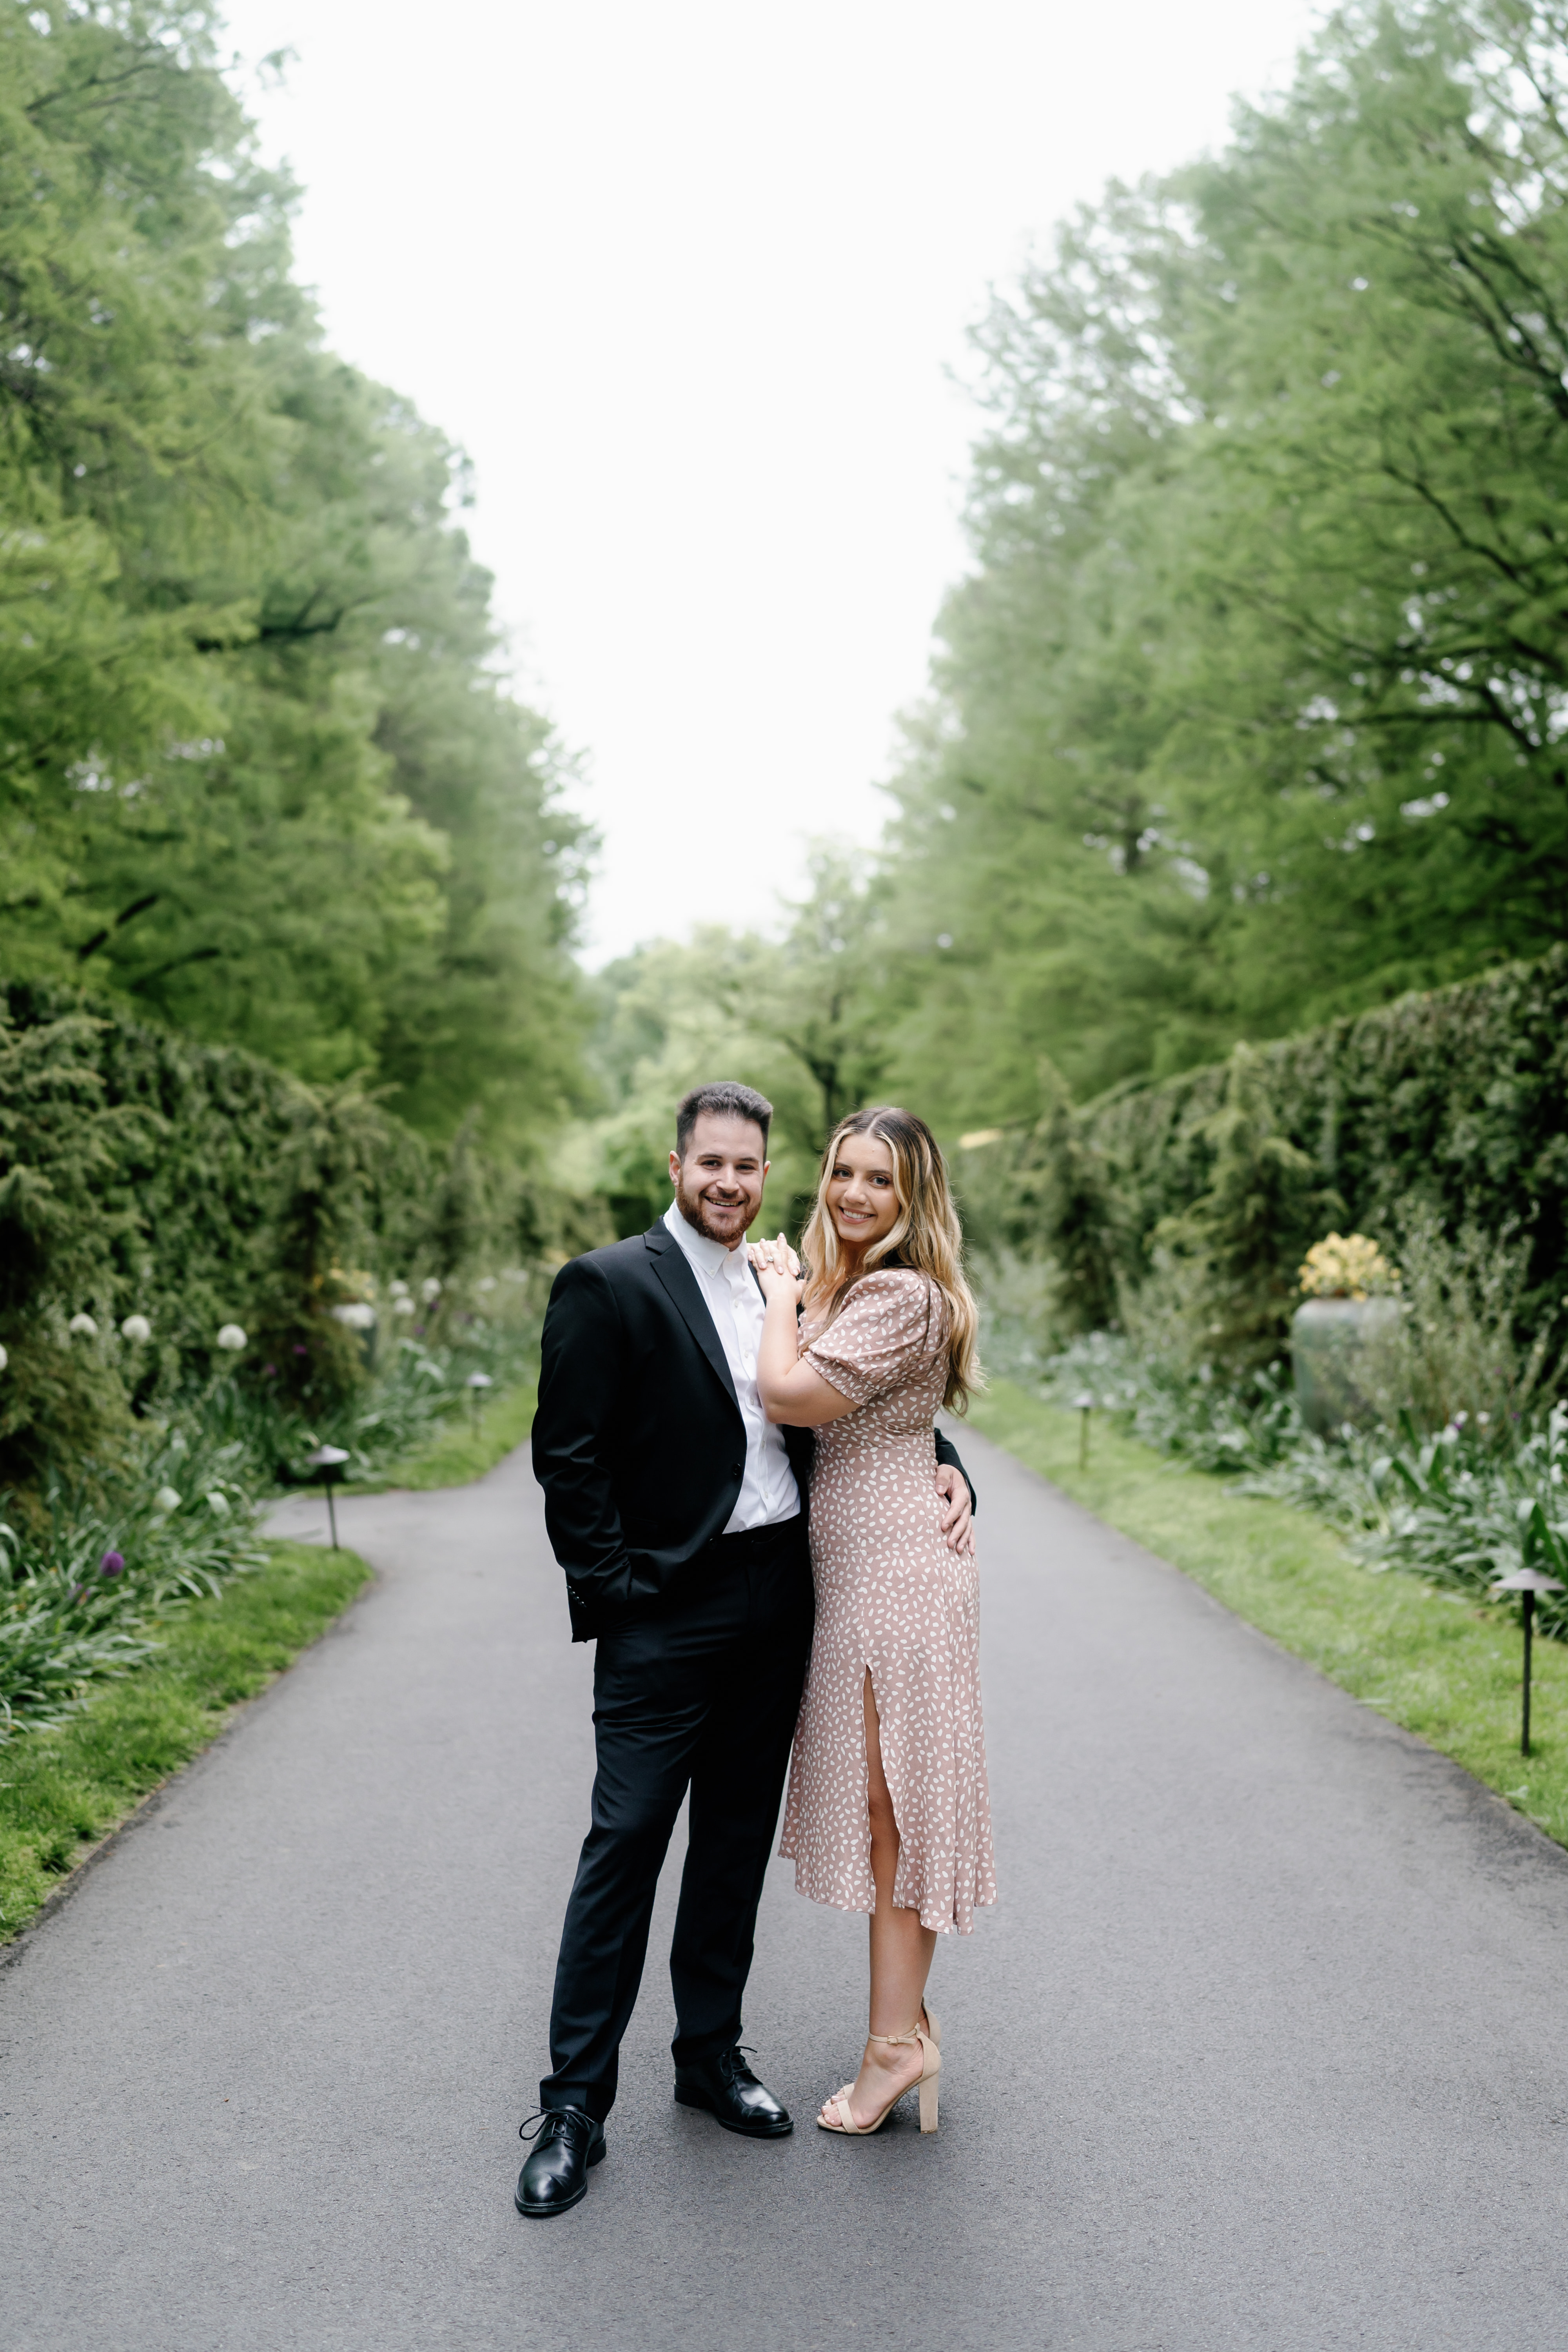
[727, 2087]
[567, 2141]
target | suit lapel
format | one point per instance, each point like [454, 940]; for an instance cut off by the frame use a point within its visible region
[670, 1265]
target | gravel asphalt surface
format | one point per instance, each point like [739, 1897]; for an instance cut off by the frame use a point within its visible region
[1260, 2048]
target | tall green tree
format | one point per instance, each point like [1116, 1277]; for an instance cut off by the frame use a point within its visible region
[798, 1017]
[257, 773]
[1252, 707]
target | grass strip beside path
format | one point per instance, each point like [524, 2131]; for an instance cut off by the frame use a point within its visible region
[1438, 1663]
[62, 1790]
[466, 1445]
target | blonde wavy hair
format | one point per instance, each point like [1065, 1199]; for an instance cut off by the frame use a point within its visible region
[925, 1237]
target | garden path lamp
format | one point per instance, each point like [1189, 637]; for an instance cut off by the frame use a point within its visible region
[327, 1462]
[1083, 1405]
[1527, 1582]
[478, 1382]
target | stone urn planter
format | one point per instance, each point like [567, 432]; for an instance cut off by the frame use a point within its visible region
[1330, 1341]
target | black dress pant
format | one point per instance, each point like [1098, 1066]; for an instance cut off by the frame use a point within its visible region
[702, 1692]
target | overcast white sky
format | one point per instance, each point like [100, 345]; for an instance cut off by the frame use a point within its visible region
[686, 282]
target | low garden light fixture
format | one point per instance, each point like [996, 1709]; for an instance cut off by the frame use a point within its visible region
[1527, 1582]
[477, 1383]
[327, 1462]
[1083, 1406]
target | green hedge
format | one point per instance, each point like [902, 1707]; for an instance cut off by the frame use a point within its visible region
[1457, 1098]
[144, 1173]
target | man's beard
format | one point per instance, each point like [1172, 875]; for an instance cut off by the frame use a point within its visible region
[694, 1209]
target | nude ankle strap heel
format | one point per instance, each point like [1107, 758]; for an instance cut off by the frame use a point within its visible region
[925, 2081]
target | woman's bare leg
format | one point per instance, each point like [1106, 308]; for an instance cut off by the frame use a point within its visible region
[901, 1948]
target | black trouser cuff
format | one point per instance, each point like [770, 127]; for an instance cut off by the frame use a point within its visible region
[596, 2100]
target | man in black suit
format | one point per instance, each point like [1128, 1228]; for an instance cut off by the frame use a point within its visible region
[676, 1509]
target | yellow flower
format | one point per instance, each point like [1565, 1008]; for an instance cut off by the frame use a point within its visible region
[1348, 1266]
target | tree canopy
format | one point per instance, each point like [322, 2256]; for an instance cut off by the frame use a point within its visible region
[1251, 709]
[258, 774]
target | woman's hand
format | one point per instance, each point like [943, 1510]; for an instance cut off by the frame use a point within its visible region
[792, 1391]
[778, 1270]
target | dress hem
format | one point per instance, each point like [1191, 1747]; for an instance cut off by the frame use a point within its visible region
[836, 1903]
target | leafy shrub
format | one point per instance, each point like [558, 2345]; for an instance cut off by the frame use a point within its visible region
[1189, 1411]
[1465, 1504]
[1235, 1242]
[417, 1382]
[94, 1561]
[1460, 1348]
[145, 1175]
[1454, 1101]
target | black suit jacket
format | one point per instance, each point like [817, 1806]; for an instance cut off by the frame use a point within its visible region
[639, 1441]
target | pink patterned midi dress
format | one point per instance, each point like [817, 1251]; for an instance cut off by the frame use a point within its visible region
[890, 1597]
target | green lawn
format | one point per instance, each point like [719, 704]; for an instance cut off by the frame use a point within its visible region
[1444, 1667]
[466, 1446]
[62, 1790]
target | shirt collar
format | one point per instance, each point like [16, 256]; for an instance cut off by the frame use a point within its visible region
[710, 1255]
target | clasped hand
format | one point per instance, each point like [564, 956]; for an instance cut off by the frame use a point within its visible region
[778, 1270]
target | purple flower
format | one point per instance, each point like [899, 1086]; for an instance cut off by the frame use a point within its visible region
[111, 1564]
[300, 1349]
[268, 1372]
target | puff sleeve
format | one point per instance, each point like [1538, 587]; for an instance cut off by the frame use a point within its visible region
[890, 1321]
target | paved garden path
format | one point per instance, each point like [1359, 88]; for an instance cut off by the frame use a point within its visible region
[1263, 2047]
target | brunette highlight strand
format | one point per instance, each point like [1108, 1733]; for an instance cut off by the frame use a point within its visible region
[925, 1237]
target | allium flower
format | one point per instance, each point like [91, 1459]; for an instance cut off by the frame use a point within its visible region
[398, 1290]
[137, 1330]
[84, 1325]
[231, 1337]
[219, 1501]
[167, 1498]
[489, 1283]
[5, 1359]
[356, 1316]
[111, 1564]
[430, 1289]
[404, 1306]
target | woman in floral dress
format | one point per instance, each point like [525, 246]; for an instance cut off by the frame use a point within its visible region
[888, 1810]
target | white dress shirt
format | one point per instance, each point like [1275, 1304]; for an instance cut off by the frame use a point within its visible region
[731, 1296]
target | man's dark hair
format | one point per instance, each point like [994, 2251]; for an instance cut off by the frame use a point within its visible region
[725, 1098]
